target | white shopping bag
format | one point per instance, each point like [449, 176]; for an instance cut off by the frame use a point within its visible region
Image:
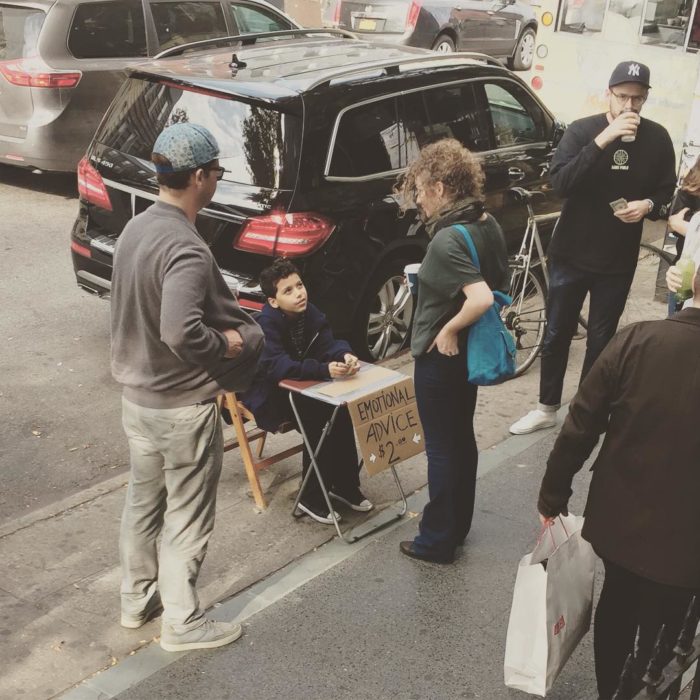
[551, 609]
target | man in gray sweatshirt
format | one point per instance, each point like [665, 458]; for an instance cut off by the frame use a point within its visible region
[179, 338]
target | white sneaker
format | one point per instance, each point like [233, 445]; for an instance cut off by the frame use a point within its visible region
[209, 635]
[535, 420]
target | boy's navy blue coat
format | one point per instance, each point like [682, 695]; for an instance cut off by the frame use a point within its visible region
[269, 403]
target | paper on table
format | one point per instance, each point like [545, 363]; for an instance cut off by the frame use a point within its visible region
[362, 379]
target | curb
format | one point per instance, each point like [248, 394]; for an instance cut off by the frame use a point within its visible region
[239, 608]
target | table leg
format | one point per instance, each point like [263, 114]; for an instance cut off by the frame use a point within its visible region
[313, 455]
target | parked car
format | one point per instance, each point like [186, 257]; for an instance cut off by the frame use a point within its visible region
[314, 131]
[505, 29]
[62, 62]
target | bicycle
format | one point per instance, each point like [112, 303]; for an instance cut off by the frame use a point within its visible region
[526, 318]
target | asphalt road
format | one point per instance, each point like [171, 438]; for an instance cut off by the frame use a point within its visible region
[59, 409]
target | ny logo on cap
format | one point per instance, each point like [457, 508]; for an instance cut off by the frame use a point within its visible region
[633, 69]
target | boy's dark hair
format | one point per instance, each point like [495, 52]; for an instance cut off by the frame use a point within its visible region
[271, 275]
[178, 180]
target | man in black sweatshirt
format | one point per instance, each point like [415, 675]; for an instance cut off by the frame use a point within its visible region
[614, 169]
[179, 338]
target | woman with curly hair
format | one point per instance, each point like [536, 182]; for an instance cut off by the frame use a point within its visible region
[445, 185]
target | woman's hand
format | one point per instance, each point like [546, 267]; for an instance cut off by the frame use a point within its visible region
[673, 278]
[445, 342]
[677, 222]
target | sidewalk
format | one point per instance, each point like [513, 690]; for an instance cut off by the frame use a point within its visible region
[59, 600]
[366, 621]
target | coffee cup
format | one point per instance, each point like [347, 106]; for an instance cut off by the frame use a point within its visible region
[411, 272]
[630, 137]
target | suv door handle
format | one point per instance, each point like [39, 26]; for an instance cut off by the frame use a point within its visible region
[516, 174]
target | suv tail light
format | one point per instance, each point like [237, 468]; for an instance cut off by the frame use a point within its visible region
[413, 12]
[32, 72]
[91, 186]
[287, 235]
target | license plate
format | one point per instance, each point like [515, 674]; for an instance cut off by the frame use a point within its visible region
[368, 25]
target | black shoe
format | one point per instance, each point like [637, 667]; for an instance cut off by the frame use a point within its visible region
[408, 549]
[320, 514]
[355, 499]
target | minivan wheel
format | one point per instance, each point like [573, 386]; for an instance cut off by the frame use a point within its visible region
[383, 322]
[524, 51]
[444, 44]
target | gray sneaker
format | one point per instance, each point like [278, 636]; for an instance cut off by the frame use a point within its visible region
[209, 635]
[153, 608]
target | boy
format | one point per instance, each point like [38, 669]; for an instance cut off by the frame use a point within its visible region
[299, 344]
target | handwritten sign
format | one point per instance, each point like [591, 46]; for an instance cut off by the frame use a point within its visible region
[387, 426]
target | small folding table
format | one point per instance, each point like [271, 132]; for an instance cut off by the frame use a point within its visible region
[339, 393]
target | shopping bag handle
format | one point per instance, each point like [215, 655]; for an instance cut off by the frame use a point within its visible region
[548, 528]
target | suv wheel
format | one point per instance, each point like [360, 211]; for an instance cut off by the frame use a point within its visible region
[444, 44]
[524, 51]
[383, 322]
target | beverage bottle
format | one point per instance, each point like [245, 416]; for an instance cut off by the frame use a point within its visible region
[686, 267]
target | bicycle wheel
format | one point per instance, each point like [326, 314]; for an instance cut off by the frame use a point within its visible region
[648, 297]
[525, 318]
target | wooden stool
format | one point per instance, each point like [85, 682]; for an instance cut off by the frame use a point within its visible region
[240, 415]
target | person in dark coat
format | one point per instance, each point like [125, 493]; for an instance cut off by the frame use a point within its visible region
[299, 344]
[642, 514]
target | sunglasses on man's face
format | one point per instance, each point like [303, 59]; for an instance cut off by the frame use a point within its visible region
[219, 172]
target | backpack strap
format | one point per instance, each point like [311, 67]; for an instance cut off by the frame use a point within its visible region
[470, 244]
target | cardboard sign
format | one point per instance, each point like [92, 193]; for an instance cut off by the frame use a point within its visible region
[387, 426]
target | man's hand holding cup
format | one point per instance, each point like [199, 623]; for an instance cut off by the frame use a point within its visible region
[624, 126]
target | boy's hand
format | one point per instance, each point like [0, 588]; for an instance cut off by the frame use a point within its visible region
[338, 369]
[352, 363]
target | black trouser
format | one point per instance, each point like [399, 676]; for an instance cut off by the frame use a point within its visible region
[568, 287]
[338, 458]
[629, 604]
[446, 403]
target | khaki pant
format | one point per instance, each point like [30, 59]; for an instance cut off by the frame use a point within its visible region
[176, 457]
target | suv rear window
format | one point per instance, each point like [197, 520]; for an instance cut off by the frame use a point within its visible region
[259, 146]
[19, 31]
[182, 22]
[108, 30]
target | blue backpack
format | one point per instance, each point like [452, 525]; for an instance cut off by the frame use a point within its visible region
[490, 347]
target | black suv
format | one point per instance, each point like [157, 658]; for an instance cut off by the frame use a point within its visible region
[314, 127]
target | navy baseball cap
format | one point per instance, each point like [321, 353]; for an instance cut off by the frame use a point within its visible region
[630, 72]
[187, 146]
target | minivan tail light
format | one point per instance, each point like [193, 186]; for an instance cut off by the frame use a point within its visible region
[91, 186]
[336, 13]
[32, 72]
[412, 16]
[287, 235]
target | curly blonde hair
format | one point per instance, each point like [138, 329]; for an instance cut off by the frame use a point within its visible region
[446, 161]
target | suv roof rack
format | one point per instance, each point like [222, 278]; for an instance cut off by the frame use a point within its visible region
[248, 39]
[393, 68]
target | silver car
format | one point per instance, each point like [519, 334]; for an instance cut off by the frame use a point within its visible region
[62, 61]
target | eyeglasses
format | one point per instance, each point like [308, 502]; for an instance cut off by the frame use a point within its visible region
[219, 172]
[636, 100]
